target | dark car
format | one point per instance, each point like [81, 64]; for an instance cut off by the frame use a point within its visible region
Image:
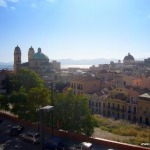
[32, 137]
[54, 143]
[1, 120]
[82, 146]
[16, 130]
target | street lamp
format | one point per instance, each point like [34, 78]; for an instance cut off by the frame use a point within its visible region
[51, 86]
[42, 110]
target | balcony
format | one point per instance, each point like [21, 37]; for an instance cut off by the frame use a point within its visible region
[112, 108]
[122, 110]
[129, 111]
[147, 114]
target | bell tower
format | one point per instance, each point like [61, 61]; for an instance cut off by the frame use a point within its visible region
[31, 52]
[17, 59]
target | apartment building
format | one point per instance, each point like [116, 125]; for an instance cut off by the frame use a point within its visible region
[85, 84]
[131, 105]
[143, 108]
[97, 102]
[116, 103]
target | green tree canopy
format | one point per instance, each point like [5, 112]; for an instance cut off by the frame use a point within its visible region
[29, 94]
[27, 79]
[71, 113]
[59, 86]
[37, 97]
[19, 103]
[4, 102]
[26, 105]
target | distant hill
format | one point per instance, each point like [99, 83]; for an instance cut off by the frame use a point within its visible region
[8, 65]
[3, 64]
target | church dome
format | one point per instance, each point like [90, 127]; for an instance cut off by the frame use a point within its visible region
[40, 55]
[17, 49]
[129, 57]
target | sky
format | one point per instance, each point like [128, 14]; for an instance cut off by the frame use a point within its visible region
[75, 29]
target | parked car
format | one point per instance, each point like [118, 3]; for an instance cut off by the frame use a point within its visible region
[54, 143]
[1, 120]
[16, 130]
[32, 137]
[82, 146]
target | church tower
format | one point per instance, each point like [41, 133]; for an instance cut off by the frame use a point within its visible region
[31, 52]
[17, 59]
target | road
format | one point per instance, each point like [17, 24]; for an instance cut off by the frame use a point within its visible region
[8, 142]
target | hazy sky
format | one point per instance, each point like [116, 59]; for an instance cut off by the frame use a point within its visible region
[77, 29]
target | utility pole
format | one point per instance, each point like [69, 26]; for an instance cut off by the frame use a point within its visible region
[42, 111]
[52, 98]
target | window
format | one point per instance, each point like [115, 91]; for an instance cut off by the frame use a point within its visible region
[129, 117]
[113, 105]
[96, 104]
[99, 104]
[118, 115]
[103, 105]
[129, 108]
[134, 110]
[118, 106]
[89, 102]
[92, 103]
[109, 105]
[140, 119]
[108, 113]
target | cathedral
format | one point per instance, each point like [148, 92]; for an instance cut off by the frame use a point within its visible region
[37, 62]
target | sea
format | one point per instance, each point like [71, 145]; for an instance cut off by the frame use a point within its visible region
[62, 67]
[76, 66]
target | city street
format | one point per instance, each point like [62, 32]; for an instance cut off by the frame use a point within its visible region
[8, 142]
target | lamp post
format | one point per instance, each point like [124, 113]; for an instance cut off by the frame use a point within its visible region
[42, 111]
[52, 97]
[51, 86]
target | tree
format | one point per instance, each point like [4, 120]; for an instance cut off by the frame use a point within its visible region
[37, 98]
[71, 113]
[4, 102]
[7, 84]
[29, 94]
[26, 105]
[19, 103]
[59, 86]
[26, 79]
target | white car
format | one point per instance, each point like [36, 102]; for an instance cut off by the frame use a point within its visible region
[82, 146]
[32, 137]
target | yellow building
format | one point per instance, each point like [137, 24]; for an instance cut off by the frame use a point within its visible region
[132, 101]
[97, 102]
[116, 103]
[85, 84]
[143, 109]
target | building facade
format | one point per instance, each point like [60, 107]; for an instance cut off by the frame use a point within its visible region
[85, 84]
